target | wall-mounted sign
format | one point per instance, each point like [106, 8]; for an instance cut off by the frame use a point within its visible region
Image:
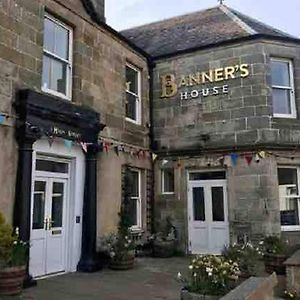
[65, 133]
[171, 86]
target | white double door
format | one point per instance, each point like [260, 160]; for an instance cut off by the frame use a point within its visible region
[208, 216]
[48, 228]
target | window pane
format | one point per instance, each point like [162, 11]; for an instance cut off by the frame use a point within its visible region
[61, 42]
[46, 72]
[58, 76]
[132, 80]
[168, 180]
[49, 35]
[288, 195]
[132, 212]
[217, 195]
[198, 204]
[57, 204]
[39, 204]
[289, 211]
[51, 166]
[131, 105]
[288, 176]
[281, 101]
[280, 73]
[135, 184]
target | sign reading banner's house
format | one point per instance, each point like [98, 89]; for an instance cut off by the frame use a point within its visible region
[194, 86]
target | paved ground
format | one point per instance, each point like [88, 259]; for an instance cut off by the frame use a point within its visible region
[151, 279]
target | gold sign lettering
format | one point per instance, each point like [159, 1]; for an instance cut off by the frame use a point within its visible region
[170, 85]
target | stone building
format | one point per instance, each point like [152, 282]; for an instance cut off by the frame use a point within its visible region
[207, 102]
[70, 127]
[225, 117]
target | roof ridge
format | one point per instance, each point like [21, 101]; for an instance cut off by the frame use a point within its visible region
[168, 19]
[237, 20]
[261, 23]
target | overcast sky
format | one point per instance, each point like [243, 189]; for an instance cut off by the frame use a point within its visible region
[121, 14]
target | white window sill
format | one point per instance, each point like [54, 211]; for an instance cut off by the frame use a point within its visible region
[56, 94]
[290, 228]
[168, 193]
[133, 121]
[284, 116]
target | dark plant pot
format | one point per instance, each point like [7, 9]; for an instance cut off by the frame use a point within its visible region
[186, 295]
[274, 263]
[125, 263]
[163, 249]
[11, 280]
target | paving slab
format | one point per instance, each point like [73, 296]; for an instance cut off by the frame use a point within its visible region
[151, 279]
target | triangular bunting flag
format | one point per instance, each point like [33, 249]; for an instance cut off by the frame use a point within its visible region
[262, 154]
[116, 148]
[68, 144]
[50, 139]
[84, 147]
[154, 156]
[2, 119]
[234, 158]
[227, 161]
[248, 158]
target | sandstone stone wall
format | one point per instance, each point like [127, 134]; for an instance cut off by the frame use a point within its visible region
[99, 60]
[242, 117]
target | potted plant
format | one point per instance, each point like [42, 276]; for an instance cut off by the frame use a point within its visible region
[13, 259]
[164, 242]
[120, 246]
[210, 278]
[275, 253]
[246, 255]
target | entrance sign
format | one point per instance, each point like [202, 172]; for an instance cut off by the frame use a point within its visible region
[171, 86]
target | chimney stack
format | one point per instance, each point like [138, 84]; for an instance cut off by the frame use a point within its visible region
[100, 8]
[96, 9]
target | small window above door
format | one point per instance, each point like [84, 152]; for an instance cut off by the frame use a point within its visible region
[51, 166]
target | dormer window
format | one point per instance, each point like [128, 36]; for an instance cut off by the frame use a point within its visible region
[57, 58]
[283, 88]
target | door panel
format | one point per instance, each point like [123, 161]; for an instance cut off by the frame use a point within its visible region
[208, 216]
[47, 252]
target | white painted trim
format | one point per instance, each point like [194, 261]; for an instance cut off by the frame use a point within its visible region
[59, 152]
[139, 110]
[69, 62]
[293, 114]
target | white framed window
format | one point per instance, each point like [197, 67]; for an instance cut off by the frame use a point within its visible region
[167, 181]
[57, 58]
[133, 94]
[135, 201]
[289, 198]
[283, 91]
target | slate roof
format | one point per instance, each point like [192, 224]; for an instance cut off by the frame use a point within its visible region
[201, 29]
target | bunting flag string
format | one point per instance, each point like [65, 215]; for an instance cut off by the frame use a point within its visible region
[2, 119]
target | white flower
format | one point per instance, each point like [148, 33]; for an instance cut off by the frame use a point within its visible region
[179, 276]
[15, 242]
[112, 254]
[190, 267]
[17, 231]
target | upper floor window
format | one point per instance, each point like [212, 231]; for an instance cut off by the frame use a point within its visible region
[133, 94]
[57, 58]
[283, 88]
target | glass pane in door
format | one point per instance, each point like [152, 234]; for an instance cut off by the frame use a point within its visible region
[39, 198]
[198, 204]
[217, 195]
[57, 204]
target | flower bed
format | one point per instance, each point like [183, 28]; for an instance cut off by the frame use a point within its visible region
[210, 276]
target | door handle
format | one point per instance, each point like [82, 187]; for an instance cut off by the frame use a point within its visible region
[50, 222]
[46, 224]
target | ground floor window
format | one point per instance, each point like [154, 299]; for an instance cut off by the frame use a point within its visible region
[135, 201]
[167, 182]
[288, 179]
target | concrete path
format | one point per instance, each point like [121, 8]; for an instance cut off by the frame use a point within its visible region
[151, 279]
